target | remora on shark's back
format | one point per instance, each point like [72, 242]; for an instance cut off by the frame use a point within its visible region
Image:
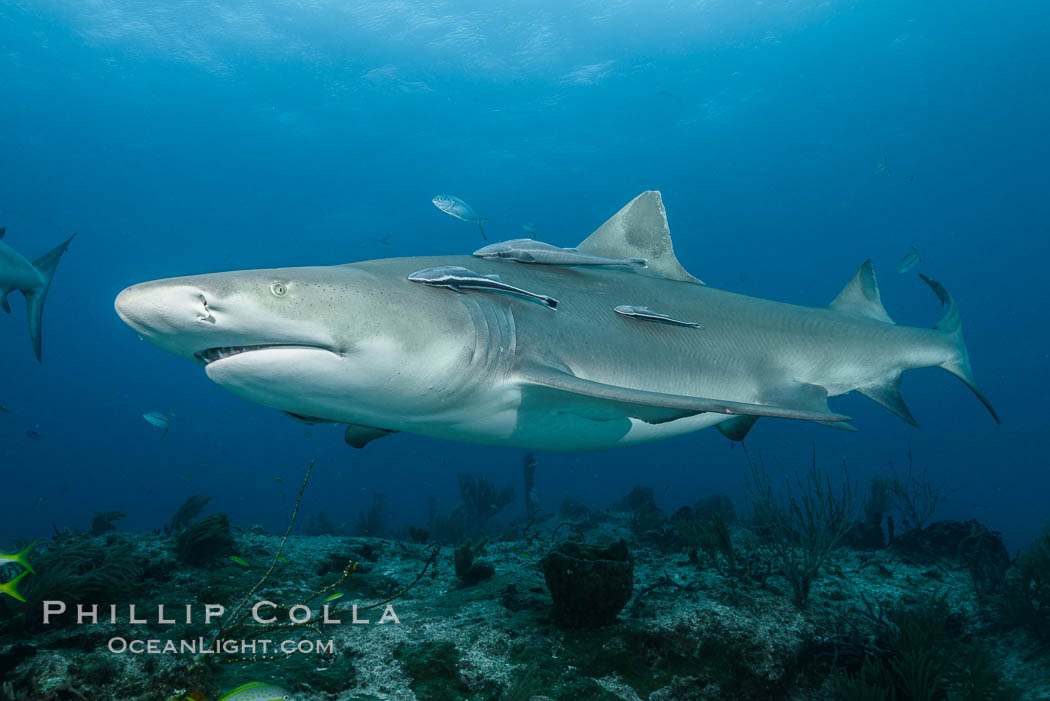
[361, 344]
[33, 280]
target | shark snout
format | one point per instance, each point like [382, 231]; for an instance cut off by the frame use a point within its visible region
[171, 314]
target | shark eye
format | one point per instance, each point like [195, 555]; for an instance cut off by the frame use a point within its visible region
[278, 289]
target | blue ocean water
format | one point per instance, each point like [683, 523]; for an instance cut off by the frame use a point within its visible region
[198, 137]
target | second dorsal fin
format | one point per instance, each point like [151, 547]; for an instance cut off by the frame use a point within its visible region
[860, 296]
[639, 230]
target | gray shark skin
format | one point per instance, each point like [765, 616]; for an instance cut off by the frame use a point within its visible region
[33, 280]
[362, 345]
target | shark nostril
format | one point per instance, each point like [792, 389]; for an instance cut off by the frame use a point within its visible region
[206, 316]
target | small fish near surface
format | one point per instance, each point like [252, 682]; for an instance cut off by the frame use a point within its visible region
[909, 261]
[458, 278]
[454, 206]
[529, 251]
[158, 420]
[647, 314]
[256, 691]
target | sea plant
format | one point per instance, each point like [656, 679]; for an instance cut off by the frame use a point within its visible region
[102, 522]
[915, 497]
[803, 527]
[190, 509]
[204, 541]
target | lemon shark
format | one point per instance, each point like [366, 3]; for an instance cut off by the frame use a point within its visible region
[33, 280]
[361, 344]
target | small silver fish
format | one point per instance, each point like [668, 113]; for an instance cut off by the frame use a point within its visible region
[459, 278]
[647, 314]
[909, 261]
[158, 420]
[450, 204]
[530, 229]
[882, 167]
[529, 251]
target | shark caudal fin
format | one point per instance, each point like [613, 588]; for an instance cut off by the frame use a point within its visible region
[951, 325]
[46, 265]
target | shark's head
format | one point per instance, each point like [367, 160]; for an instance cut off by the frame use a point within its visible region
[334, 343]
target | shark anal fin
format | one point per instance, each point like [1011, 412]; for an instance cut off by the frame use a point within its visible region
[888, 394]
[736, 428]
[359, 436]
[639, 230]
[660, 407]
[860, 296]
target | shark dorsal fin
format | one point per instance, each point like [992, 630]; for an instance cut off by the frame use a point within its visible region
[860, 296]
[639, 230]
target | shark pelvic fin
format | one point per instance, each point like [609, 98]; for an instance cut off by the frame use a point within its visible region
[888, 394]
[359, 436]
[660, 407]
[736, 428]
[860, 296]
[639, 230]
[959, 362]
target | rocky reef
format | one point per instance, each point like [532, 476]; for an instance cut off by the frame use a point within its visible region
[620, 603]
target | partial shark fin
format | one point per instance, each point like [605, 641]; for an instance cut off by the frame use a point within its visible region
[359, 436]
[3, 230]
[736, 428]
[860, 296]
[888, 394]
[951, 325]
[45, 265]
[639, 230]
[3, 302]
[659, 407]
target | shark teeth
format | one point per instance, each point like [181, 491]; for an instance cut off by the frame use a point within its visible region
[212, 354]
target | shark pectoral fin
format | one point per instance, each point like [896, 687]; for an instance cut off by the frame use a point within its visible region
[359, 436]
[860, 297]
[639, 230]
[659, 407]
[888, 394]
[736, 428]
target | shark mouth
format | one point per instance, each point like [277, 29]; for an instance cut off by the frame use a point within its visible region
[213, 354]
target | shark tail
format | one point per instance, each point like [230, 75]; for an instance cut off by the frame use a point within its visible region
[959, 362]
[11, 588]
[482, 229]
[46, 265]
